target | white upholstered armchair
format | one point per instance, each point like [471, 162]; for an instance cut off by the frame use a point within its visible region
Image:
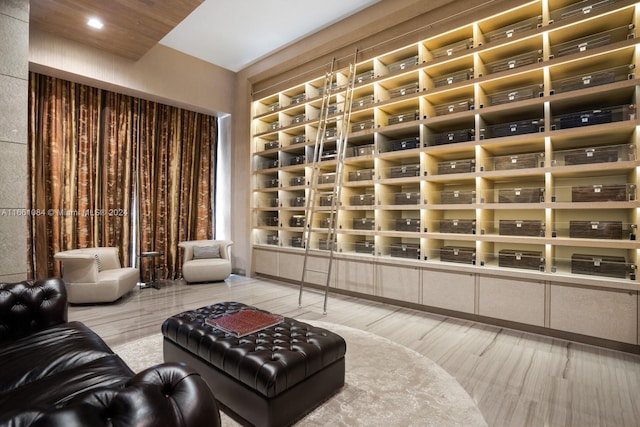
[206, 260]
[95, 275]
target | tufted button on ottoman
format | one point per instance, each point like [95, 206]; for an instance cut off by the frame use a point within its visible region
[272, 377]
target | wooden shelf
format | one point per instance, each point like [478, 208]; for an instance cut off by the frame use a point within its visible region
[466, 96]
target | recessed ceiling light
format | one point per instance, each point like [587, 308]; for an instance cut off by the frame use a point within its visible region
[95, 23]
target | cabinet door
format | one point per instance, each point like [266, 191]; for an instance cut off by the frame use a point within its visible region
[355, 276]
[604, 313]
[399, 283]
[449, 290]
[265, 262]
[290, 265]
[510, 299]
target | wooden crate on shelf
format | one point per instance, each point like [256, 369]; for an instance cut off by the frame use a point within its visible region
[521, 195]
[515, 61]
[365, 76]
[515, 258]
[458, 226]
[271, 144]
[603, 193]
[407, 198]
[599, 265]
[517, 227]
[455, 77]
[407, 116]
[297, 242]
[325, 244]
[361, 175]
[453, 107]
[453, 136]
[405, 250]
[362, 200]
[361, 150]
[271, 183]
[297, 221]
[518, 161]
[325, 222]
[516, 94]
[362, 125]
[452, 48]
[579, 8]
[271, 221]
[326, 200]
[363, 224]
[404, 90]
[595, 229]
[521, 127]
[405, 144]
[297, 160]
[511, 30]
[297, 180]
[327, 178]
[365, 247]
[407, 224]
[591, 41]
[460, 254]
[456, 166]
[404, 171]
[297, 202]
[590, 155]
[403, 64]
[584, 118]
[363, 101]
[458, 197]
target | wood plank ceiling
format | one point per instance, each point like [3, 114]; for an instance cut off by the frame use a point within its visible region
[131, 27]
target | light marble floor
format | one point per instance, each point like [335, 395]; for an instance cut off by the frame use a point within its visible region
[516, 378]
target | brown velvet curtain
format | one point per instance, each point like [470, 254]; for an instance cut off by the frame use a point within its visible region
[176, 174]
[89, 149]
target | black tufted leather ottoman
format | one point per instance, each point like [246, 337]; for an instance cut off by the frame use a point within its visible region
[270, 378]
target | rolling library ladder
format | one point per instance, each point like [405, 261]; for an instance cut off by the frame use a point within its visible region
[340, 114]
[491, 171]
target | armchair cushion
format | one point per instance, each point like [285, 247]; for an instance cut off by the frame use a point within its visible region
[206, 252]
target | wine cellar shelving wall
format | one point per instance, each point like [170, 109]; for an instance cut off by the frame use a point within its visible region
[491, 170]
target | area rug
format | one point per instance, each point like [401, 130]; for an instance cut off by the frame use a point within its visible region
[386, 385]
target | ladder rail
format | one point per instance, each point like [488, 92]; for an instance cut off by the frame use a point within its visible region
[310, 202]
[342, 133]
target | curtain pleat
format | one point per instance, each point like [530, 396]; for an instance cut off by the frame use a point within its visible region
[99, 159]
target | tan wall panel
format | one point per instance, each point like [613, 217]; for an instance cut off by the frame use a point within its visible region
[355, 276]
[600, 313]
[451, 291]
[401, 283]
[514, 300]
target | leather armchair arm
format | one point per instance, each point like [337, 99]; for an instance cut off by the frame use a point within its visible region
[167, 395]
[31, 305]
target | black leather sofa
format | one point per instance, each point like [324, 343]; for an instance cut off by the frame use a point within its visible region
[59, 373]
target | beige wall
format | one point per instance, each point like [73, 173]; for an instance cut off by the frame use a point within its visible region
[14, 66]
[162, 74]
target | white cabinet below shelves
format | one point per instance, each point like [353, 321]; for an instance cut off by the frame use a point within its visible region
[265, 262]
[355, 276]
[451, 291]
[398, 282]
[604, 313]
[519, 300]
